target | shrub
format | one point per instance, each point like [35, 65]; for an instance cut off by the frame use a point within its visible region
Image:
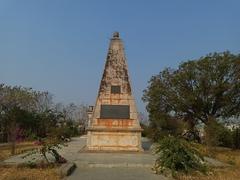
[236, 138]
[225, 137]
[165, 126]
[216, 134]
[192, 135]
[64, 132]
[177, 154]
[48, 145]
[145, 131]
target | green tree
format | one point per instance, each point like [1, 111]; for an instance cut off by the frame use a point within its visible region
[34, 115]
[216, 134]
[15, 102]
[197, 91]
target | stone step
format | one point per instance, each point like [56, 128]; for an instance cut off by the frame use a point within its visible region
[112, 165]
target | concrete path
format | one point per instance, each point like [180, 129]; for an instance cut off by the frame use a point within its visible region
[119, 173]
[117, 166]
[102, 166]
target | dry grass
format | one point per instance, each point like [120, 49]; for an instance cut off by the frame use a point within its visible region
[215, 174]
[24, 173]
[228, 173]
[5, 151]
[17, 173]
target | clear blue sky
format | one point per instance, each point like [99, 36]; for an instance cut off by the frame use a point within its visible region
[61, 45]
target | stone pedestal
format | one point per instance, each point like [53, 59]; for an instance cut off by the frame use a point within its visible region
[114, 141]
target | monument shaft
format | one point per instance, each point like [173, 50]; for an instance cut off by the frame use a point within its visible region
[113, 123]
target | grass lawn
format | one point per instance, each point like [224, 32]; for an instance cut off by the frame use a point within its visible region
[24, 173]
[228, 173]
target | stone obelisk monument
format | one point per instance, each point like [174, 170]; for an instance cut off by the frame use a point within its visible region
[113, 123]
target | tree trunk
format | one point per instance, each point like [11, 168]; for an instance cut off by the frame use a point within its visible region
[13, 135]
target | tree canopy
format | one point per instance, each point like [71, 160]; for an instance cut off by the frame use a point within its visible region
[25, 112]
[196, 92]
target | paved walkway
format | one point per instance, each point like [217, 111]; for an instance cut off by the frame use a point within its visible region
[117, 166]
[103, 166]
[119, 173]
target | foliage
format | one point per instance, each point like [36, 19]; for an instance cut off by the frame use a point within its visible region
[29, 114]
[15, 102]
[65, 130]
[177, 155]
[196, 92]
[192, 135]
[145, 131]
[74, 114]
[48, 145]
[216, 134]
[236, 138]
[164, 127]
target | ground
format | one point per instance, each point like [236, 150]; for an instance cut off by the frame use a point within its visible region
[117, 173]
[117, 166]
[231, 157]
[16, 173]
[92, 165]
[129, 166]
[21, 147]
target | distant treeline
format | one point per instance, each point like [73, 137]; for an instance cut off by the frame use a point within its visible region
[29, 114]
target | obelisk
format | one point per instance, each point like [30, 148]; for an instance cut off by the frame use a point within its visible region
[114, 124]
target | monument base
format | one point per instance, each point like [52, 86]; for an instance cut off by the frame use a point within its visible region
[114, 140]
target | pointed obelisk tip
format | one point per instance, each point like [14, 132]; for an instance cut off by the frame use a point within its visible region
[116, 35]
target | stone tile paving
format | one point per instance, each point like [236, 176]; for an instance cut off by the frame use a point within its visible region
[116, 166]
[119, 173]
[102, 166]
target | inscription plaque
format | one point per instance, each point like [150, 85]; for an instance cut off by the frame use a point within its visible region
[115, 89]
[115, 112]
